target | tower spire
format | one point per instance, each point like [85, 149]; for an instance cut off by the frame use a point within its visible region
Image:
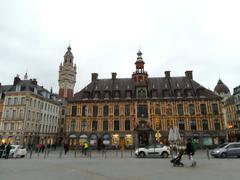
[69, 46]
[67, 75]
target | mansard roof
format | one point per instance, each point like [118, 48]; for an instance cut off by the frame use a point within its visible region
[4, 88]
[172, 85]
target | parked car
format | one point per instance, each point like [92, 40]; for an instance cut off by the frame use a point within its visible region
[227, 150]
[154, 150]
[16, 151]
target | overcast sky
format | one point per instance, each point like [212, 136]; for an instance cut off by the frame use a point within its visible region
[105, 35]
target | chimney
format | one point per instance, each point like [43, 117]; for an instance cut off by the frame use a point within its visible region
[16, 80]
[167, 74]
[114, 75]
[94, 76]
[34, 81]
[189, 74]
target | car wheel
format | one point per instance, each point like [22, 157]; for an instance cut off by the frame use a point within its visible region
[141, 154]
[22, 156]
[224, 155]
[164, 154]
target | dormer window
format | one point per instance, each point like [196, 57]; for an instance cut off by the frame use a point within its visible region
[35, 90]
[178, 93]
[154, 93]
[166, 93]
[18, 88]
[96, 95]
[189, 93]
[86, 95]
[128, 94]
[116, 95]
[106, 95]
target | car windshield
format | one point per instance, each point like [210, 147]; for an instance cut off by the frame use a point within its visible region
[222, 145]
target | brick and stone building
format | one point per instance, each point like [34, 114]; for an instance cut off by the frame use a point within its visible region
[132, 110]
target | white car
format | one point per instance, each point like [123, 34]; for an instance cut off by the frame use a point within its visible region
[154, 150]
[17, 151]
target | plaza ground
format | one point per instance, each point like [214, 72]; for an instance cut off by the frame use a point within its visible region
[113, 166]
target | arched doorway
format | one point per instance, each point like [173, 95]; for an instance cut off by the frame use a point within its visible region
[143, 135]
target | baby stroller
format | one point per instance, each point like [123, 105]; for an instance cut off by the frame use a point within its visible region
[176, 161]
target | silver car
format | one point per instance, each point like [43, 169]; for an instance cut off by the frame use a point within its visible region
[227, 150]
[154, 150]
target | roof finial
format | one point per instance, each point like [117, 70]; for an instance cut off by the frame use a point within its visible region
[69, 46]
[139, 53]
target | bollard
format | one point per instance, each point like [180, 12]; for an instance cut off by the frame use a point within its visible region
[131, 152]
[75, 152]
[45, 153]
[90, 154]
[105, 154]
[48, 151]
[60, 153]
[208, 156]
[121, 154]
[116, 152]
[30, 155]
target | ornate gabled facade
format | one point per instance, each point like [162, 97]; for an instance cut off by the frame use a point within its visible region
[67, 76]
[132, 110]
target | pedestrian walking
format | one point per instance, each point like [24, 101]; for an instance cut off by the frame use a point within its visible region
[66, 148]
[8, 148]
[85, 148]
[2, 148]
[190, 152]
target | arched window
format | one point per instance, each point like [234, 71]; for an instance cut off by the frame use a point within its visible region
[217, 124]
[205, 124]
[127, 125]
[193, 124]
[181, 124]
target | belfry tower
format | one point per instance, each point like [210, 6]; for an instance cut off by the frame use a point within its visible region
[67, 76]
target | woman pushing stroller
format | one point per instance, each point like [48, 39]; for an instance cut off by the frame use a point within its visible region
[189, 151]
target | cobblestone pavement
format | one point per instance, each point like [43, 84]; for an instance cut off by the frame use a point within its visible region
[114, 167]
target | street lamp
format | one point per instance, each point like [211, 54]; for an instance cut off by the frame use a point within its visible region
[158, 136]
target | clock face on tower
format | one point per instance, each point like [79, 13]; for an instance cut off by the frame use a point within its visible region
[141, 92]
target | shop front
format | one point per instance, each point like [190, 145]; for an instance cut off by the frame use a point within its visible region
[72, 141]
[129, 143]
[93, 140]
[83, 138]
[106, 140]
[115, 141]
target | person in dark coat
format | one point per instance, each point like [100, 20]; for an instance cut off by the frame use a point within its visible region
[189, 148]
[2, 148]
[66, 148]
[8, 148]
[99, 145]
